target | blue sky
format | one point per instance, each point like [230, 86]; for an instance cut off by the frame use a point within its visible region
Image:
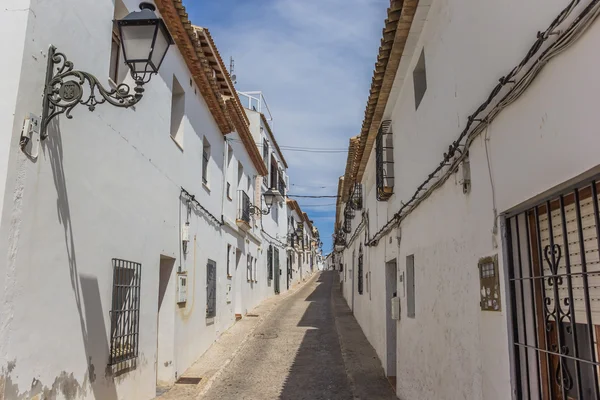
[313, 61]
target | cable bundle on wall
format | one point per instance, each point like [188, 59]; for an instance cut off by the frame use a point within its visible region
[192, 199]
[477, 122]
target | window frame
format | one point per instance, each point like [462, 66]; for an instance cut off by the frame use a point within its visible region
[125, 311]
[206, 153]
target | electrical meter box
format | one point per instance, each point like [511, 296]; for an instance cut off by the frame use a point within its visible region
[182, 288]
[489, 284]
[395, 308]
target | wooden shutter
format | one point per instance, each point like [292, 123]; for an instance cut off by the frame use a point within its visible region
[590, 242]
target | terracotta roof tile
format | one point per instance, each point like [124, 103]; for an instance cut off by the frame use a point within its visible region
[394, 36]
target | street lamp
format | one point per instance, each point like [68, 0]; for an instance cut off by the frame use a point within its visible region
[145, 41]
[269, 196]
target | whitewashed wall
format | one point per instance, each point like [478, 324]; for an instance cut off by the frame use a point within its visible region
[451, 349]
[106, 184]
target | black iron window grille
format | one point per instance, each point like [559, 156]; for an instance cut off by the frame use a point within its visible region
[270, 262]
[274, 174]
[554, 276]
[349, 211]
[211, 289]
[125, 311]
[356, 200]
[384, 161]
[243, 206]
[347, 224]
[281, 185]
[360, 270]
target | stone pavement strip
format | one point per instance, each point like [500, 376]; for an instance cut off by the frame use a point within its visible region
[304, 345]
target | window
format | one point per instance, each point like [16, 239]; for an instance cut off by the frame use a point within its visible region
[254, 277]
[410, 286]
[228, 260]
[356, 199]
[360, 270]
[249, 268]
[177, 112]
[115, 57]
[211, 289]
[205, 160]
[229, 158]
[275, 213]
[117, 69]
[384, 161]
[274, 180]
[265, 153]
[553, 251]
[125, 311]
[420, 79]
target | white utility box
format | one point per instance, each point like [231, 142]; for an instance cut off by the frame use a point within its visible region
[182, 288]
[395, 308]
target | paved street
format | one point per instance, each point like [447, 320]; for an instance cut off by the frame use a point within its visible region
[295, 353]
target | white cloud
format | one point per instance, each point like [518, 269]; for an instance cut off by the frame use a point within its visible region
[313, 61]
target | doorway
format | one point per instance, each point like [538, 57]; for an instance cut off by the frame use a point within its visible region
[288, 270]
[391, 291]
[238, 285]
[276, 272]
[165, 320]
[352, 278]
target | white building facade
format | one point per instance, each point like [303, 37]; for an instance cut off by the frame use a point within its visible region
[479, 202]
[128, 239]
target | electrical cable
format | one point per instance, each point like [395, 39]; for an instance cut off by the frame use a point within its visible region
[451, 161]
[318, 205]
[191, 198]
[311, 197]
[300, 148]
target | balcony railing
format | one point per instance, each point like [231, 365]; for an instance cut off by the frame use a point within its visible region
[243, 207]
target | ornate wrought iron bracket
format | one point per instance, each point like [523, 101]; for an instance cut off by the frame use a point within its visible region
[254, 210]
[65, 89]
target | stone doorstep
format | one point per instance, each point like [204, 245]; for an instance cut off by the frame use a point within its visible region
[210, 365]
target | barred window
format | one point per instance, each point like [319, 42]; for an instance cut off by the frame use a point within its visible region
[384, 161]
[357, 200]
[211, 289]
[125, 311]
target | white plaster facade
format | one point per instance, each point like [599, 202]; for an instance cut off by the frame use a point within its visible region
[108, 185]
[546, 139]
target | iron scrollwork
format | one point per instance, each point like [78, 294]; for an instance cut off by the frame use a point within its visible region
[65, 89]
[558, 316]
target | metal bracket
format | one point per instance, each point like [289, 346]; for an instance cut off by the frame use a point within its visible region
[64, 90]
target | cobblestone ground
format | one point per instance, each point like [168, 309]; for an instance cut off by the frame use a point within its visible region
[296, 353]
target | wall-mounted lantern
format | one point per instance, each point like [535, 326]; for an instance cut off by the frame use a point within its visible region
[269, 196]
[145, 41]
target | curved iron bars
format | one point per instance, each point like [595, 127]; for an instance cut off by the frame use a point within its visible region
[557, 316]
[65, 89]
[255, 210]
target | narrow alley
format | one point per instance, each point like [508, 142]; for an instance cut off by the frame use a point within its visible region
[300, 351]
